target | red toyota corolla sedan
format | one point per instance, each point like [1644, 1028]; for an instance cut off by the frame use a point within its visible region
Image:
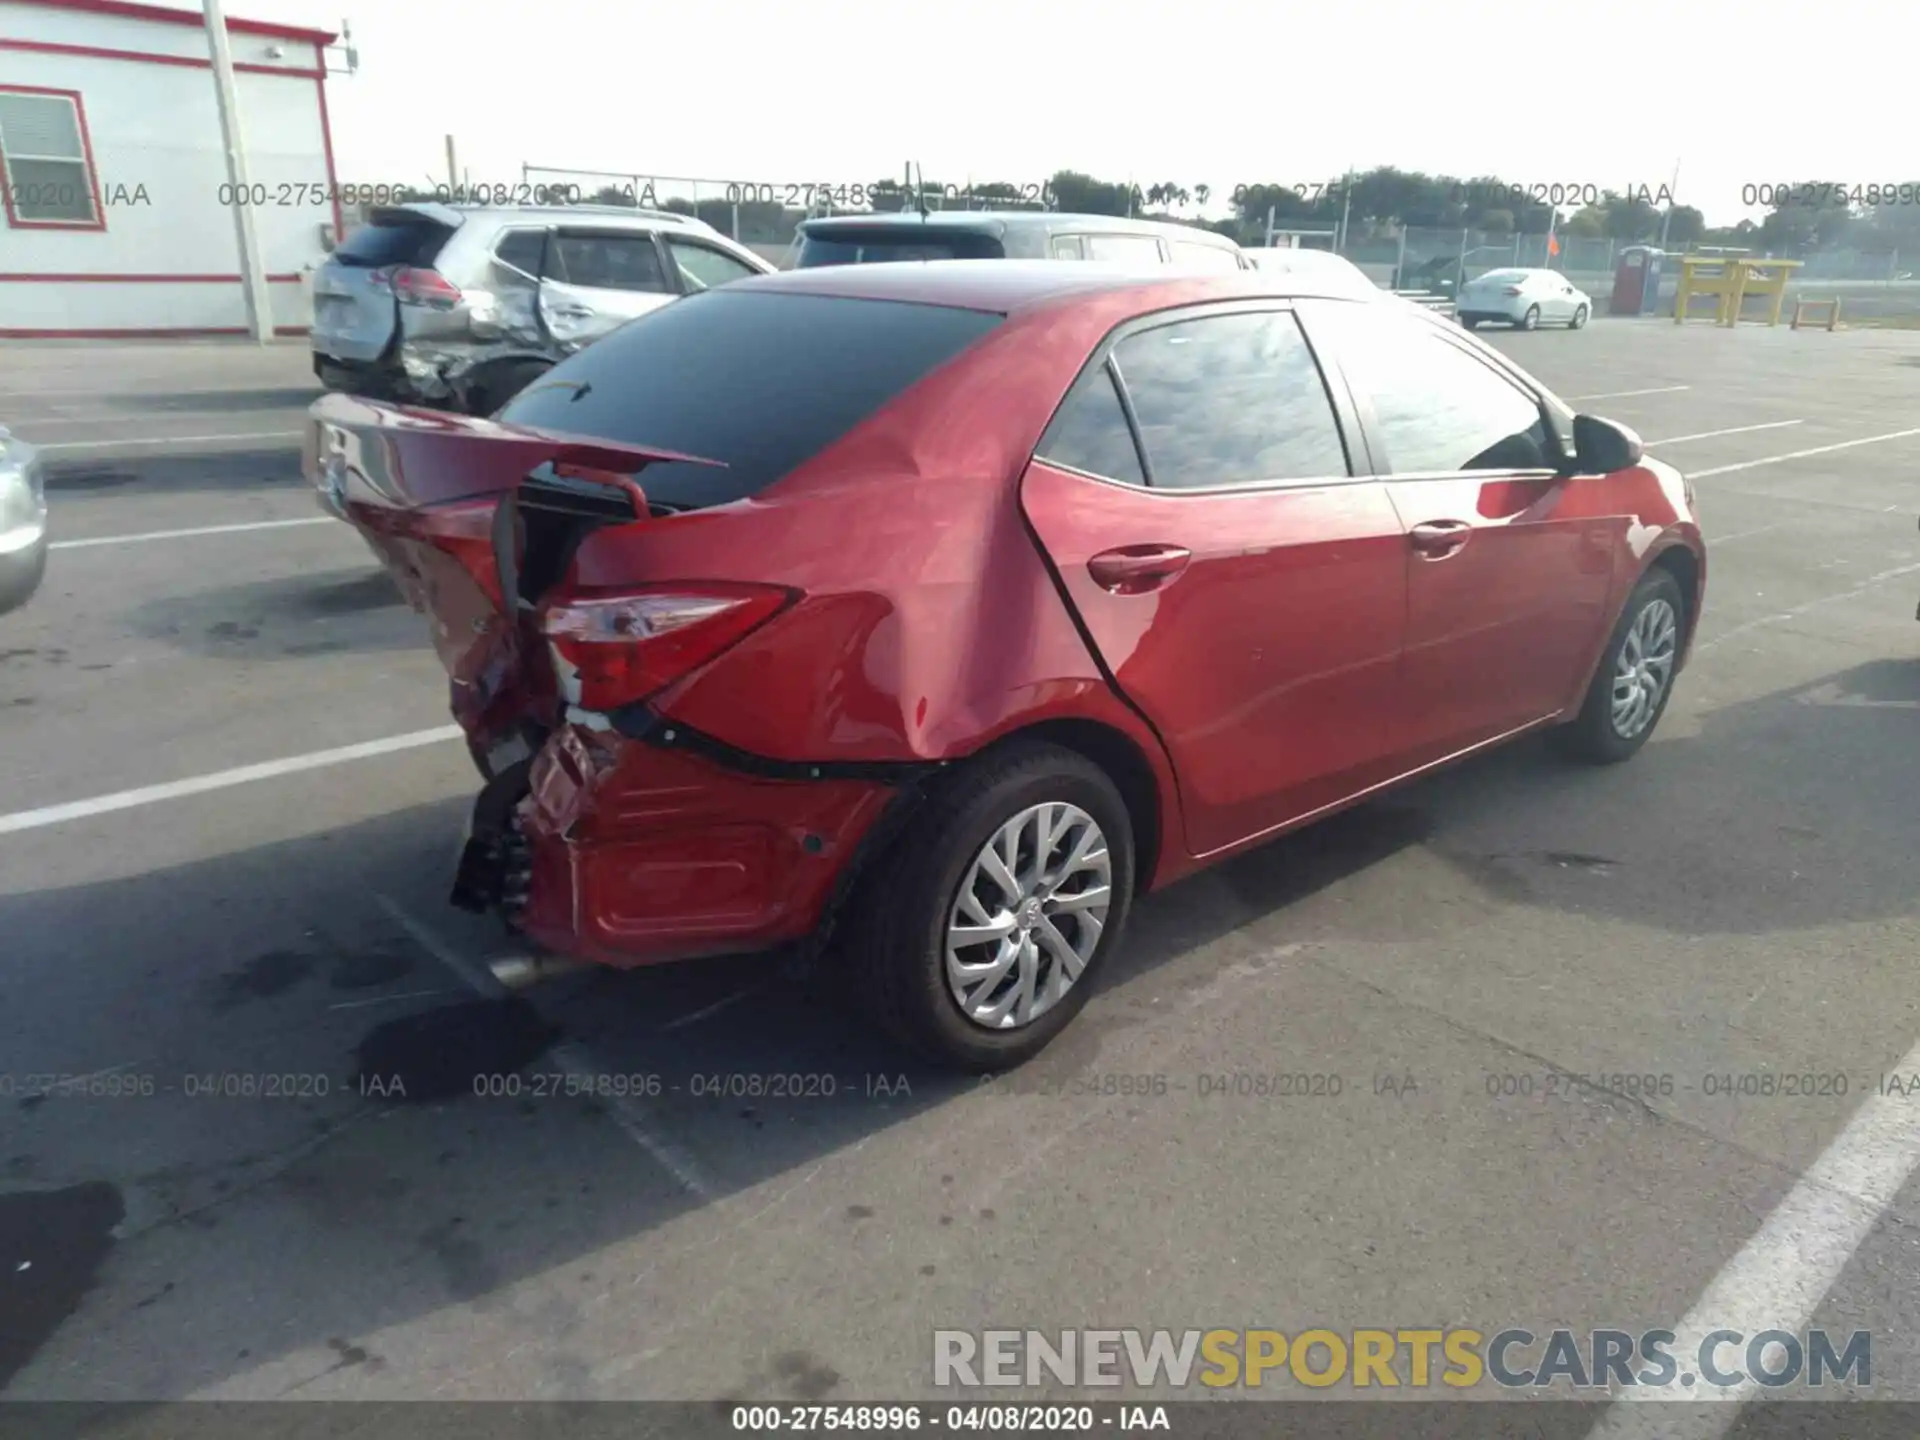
[943, 609]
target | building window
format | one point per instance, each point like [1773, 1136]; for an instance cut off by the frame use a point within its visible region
[46, 162]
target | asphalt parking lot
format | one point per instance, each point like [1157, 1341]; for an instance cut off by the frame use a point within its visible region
[1739, 901]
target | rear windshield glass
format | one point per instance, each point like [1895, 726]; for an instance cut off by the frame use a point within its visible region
[1503, 277]
[762, 382]
[393, 242]
[853, 247]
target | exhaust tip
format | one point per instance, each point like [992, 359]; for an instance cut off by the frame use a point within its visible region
[517, 972]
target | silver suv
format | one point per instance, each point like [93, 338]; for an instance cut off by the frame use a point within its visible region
[460, 306]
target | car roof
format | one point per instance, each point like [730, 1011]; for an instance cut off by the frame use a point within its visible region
[456, 215]
[1005, 287]
[1000, 222]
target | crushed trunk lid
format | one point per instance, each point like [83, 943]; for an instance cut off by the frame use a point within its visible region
[477, 522]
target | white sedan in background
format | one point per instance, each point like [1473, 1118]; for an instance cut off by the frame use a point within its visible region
[1524, 299]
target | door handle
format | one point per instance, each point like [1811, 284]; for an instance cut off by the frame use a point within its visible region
[1136, 569]
[570, 312]
[1437, 539]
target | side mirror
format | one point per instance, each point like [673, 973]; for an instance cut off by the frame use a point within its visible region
[1601, 446]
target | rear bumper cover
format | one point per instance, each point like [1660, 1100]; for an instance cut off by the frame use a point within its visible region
[628, 851]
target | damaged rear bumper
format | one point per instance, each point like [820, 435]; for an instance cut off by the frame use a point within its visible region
[629, 850]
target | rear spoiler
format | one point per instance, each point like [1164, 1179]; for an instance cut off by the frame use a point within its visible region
[405, 457]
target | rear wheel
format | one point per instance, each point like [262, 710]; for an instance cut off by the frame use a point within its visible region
[978, 935]
[1634, 679]
[1471, 322]
[1531, 320]
[1579, 318]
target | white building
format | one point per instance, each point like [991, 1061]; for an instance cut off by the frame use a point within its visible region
[117, 218]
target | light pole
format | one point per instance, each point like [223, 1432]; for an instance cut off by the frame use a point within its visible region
[1672, 193]
[253, 278]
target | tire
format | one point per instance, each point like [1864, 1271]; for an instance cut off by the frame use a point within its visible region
[899, 931]
[1530, 320]
[1579, 318]
[1600, 735]
[500, 383]
[1469, 324]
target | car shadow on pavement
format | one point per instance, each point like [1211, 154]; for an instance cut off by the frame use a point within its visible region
[355, 610]
[238, 400]
[176, 470]
[285, 1228]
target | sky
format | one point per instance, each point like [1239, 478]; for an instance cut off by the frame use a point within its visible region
[841, 91]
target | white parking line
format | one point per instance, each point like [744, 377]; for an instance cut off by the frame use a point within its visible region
[1802, 454]
[1780, 1276]
[220, 780]
[571, 1060]
[166, 440]
[186, 534]
[1712, 434]
[1623, 394]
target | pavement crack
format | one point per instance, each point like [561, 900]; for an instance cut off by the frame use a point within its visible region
[274, 1166]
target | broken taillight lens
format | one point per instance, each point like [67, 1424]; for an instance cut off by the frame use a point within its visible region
[414, 286]
[623, 648]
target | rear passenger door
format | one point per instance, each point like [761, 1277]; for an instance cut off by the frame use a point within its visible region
[1241, 587]
[595, 280]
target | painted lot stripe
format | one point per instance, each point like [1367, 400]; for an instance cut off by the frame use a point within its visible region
[623, 1110]
[1623, 394]
[166, 440]
[1803, 454]
[1781, 1275]
[1712, 434]
[186, 534]
[220, 780]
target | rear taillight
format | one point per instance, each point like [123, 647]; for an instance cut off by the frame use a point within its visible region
[414, 286]
[1511, 290]
[622, 648]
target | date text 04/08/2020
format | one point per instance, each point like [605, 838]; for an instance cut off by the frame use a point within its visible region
[910, 1418]
[1473, 193]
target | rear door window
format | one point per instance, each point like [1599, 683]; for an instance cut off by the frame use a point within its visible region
[1090, 432]
[607, 260]
[393, 240]
[1131, 249]
[1230, 400]
[761, 382]
[521, 249]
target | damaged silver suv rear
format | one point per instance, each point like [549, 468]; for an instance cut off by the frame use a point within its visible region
[461, 307]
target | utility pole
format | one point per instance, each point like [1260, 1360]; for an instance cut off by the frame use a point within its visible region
[253, 275]
[1673, 191]
[453, 170]
[1346, 209]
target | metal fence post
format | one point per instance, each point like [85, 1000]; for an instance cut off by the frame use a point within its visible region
[1400, 265]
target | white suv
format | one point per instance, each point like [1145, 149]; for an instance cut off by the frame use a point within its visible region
[461, 306]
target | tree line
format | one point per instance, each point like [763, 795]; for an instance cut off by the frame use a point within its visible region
[1372, 205]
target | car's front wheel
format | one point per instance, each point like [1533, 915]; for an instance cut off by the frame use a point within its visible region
[1634, 679]
[977, 936]
[1579, 318]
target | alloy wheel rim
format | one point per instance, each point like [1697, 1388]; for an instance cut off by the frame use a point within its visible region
[1644, 668]
[1028, 916]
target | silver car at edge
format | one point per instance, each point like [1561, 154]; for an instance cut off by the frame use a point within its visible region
[23, 522]
[460, 307]
[1524, 299]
